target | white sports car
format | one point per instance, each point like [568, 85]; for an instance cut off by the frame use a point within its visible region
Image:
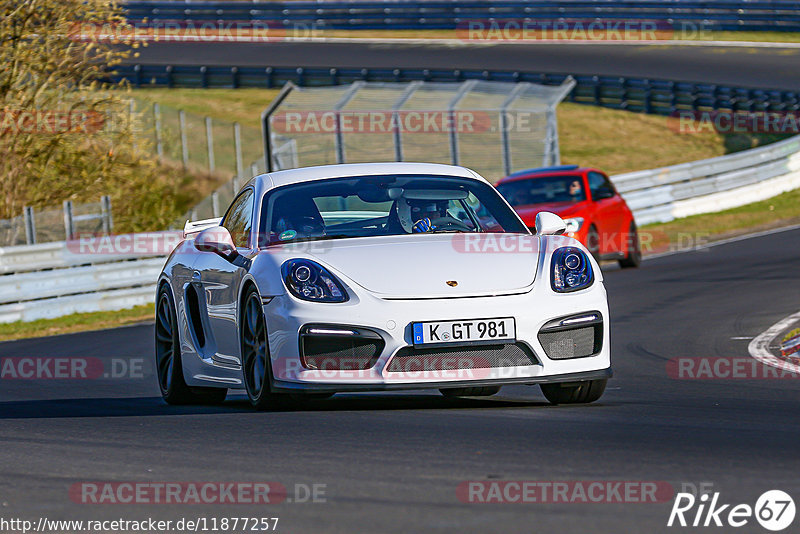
[373, 277]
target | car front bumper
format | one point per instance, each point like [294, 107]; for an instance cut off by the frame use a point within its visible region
[391, 320]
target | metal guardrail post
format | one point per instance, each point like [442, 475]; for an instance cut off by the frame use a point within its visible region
[157, 121]
[266, 133]
[215, 204]
[339, 136]
[30, 226]
[69, 227]
[451, 110]
[398, 131]
[108, 220]
[184, 143]
[210, 144]
[504, 126]
[237, 148]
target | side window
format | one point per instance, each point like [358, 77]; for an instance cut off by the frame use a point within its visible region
[238, 219]
[600, 186]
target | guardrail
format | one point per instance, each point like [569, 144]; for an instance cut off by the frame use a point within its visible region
[646, 95]
[661, 195]
[731, 15]
[92, 273]
[46, 294]
[87, 250]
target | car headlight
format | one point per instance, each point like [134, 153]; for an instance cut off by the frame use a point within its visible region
[574, 224]
[571, 270]
[308, 280]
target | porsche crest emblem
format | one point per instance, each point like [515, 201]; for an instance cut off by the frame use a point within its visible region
[452, 283]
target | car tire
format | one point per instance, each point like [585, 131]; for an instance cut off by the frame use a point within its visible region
[486, 391]
[593, 242]
[574, 392]
[256, 368]
[169, 366]
[634, 252]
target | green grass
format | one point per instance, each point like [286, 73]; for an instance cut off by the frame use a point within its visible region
[775, 212]
[233, 105]
[589, 135]
[77, 322]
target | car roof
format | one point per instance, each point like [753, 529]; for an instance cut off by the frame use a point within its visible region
[325, 172]
[555, 170]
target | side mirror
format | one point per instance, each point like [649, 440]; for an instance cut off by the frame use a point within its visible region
[548, 223]
[218, 240]
[602, 194]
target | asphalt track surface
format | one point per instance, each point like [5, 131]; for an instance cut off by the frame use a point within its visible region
[392, 461]
[756, 67]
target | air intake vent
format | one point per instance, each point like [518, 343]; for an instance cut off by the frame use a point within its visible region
[340, 353]
[578, 342]
[409, 359]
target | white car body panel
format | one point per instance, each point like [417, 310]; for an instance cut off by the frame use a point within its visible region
[392, 281]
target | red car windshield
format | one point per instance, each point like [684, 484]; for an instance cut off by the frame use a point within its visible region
[543, 190]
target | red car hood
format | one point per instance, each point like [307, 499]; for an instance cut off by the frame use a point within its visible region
[564, 210]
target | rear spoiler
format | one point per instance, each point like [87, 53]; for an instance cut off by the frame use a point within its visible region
[194, 227]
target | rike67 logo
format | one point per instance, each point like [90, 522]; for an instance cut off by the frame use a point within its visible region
[774, 510]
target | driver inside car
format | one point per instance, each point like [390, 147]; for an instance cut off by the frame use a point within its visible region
[424, 213]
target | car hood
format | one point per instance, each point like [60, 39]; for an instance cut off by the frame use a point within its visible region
[564, 210]
[420, 266]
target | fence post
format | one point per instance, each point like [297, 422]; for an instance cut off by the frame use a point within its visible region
[237, 146]
[254, 169]
[108, 221]
[131, 115]
[504, 125]
[338, 140]
[463, 89]
[398, 135]
[210, 145]
[69, 227]
[30, 226]
[215, 204]
[184, 144]
[157, 120]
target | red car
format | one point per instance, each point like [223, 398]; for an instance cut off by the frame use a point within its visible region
[596, 215]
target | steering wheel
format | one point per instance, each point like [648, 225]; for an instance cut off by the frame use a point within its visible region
[450, 223]
[310, 226]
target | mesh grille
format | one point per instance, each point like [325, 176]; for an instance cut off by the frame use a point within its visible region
[409, 359]
[337, 354]
[575, 343]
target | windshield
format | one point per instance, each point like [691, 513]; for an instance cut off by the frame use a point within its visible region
[543, 190]
[367, 206]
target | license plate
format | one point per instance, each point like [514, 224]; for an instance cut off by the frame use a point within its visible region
[474, 330]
